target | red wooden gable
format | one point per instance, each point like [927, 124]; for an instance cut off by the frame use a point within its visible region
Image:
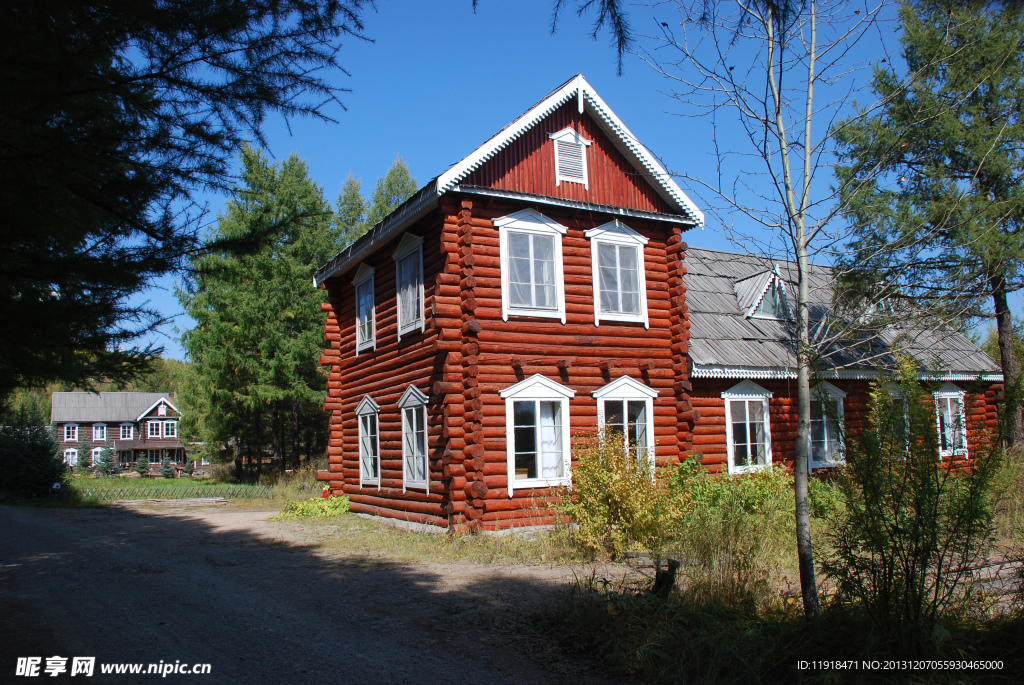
[527, 165]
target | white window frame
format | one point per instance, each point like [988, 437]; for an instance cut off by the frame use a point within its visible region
[747, 391]
[150, 433]
[625, 389]
[536, 388]
[568, 136]
[96, 455]
[617, 233]
[99, 432]
[826, 392]
[161, 410]
[363, 276]
[130, 432]
[413, 400]
[150, 453]
[774, 281]
[951, 392]
[169, 434]
[70, 432]
[71, 456]
[532, 222]
[367, 407]
[410, 244]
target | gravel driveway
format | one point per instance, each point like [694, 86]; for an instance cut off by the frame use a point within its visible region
[259, 602]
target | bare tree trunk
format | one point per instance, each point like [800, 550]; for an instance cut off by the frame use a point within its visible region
[1013, 422]
[295, 433]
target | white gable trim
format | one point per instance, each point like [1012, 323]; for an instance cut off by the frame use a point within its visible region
[367, 406]
[826, 387]
[775, 280]
[409, 243]
[616, 232]
[529, 219]
[949, 390]
[412, 397]
[537, 387]
[625, 388]
[153, 406]
[621, 136]
[364, 272]
[746, 390]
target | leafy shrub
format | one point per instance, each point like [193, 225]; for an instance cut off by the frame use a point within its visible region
[316, 507]
[826, 498]
[30, 459]
[733, 534]
[615, 503]
[912, 530]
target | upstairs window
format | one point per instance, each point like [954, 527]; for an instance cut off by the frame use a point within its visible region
[99, 432]
[747, 428]
[537, 433]
[826, 437]
[625, 407]
[70, 432]
[154, 429]
[369, 443]
[365, 324]
[127, 431]
[170, 429]
[620, 287]
[951, 421]
[531, 265]
[413, 406]
[409, 283]
[773, 303]
[570, 157]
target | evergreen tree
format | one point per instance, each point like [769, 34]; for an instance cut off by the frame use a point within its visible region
[142, 466]
[113, 115]
[166, 468]
[351, 213]
[934, 180]
[393, 188]
[257, 383]
[107, 465]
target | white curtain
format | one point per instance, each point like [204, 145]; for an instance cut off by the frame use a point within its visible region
[551, 439]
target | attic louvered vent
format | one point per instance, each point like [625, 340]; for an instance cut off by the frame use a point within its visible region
[570, 157]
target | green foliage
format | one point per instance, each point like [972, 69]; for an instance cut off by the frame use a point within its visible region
[735, 533]
[255, 381]
[350, 216]
[167, 468]
[354, 216]
[142, 466]
[614, 502]
[315, 507]
[30, 459]
[911, 530]
[120, 111]
[108, 464]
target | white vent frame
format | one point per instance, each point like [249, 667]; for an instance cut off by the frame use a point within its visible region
[568, 136]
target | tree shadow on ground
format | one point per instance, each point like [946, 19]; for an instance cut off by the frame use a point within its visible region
[146, 587]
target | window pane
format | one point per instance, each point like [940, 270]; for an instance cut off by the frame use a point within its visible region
[409, 289]
[544, 271]
[551, 439]
[608, 264]
[629, 278]
[525, 436]
[613, 417]
[738, 410]
[638, 426]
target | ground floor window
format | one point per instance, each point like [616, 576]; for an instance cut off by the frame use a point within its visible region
[97, 454]
[747, 428]
[826, 437]
[951, 421]
[369, 443]
[537, 425]
[71, 457]
[124, 458]
[413, 406]
[154, 456]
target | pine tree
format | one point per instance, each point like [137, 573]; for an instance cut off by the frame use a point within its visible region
[142, 466]
[935, 178]
[394, 188]
[351, 212]
[108, 464]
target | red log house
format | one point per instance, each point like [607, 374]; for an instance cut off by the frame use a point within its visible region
[541, 287]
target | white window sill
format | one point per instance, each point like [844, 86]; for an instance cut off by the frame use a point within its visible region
[368, 345]
[417, 486]
[540, 483]
[954, 453]
[546, 313]
[753, 468]
[412, 327]
[630, 318]
[374, 483]
[826, 464]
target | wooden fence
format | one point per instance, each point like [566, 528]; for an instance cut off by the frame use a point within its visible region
[226, 491]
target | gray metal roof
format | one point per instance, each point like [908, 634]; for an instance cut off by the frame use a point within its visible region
[726, 343]
[90, 407]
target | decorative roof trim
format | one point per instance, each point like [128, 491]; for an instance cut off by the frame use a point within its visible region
[786, 373]
[627, 143]
[571, 135]
[154, 406]
[573, 204]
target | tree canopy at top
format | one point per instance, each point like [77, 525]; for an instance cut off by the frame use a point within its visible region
[112, 114]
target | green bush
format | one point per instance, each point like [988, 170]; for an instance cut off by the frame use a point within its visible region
[315, 507]
[167, 468]
[108, 465]
[912, 531]
[734, 534]
[30, 459]
[614, 502]
[142, 466]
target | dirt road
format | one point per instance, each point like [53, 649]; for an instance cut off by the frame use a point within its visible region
[258, 602]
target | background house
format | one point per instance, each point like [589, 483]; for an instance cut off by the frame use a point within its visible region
[136, 425]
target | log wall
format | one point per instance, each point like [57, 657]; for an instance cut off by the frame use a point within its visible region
[709, 436]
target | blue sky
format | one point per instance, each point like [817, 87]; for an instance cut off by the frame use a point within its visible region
[439, 80]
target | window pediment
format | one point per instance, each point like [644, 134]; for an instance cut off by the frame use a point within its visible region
[364, 272]
[412, 397]
[367, 406]
[746, 390]
[616, 231]
[407, 244]
[537, 387]
[625, 388]
[530, 220]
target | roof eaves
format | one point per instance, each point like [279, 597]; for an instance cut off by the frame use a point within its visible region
[405, 215]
